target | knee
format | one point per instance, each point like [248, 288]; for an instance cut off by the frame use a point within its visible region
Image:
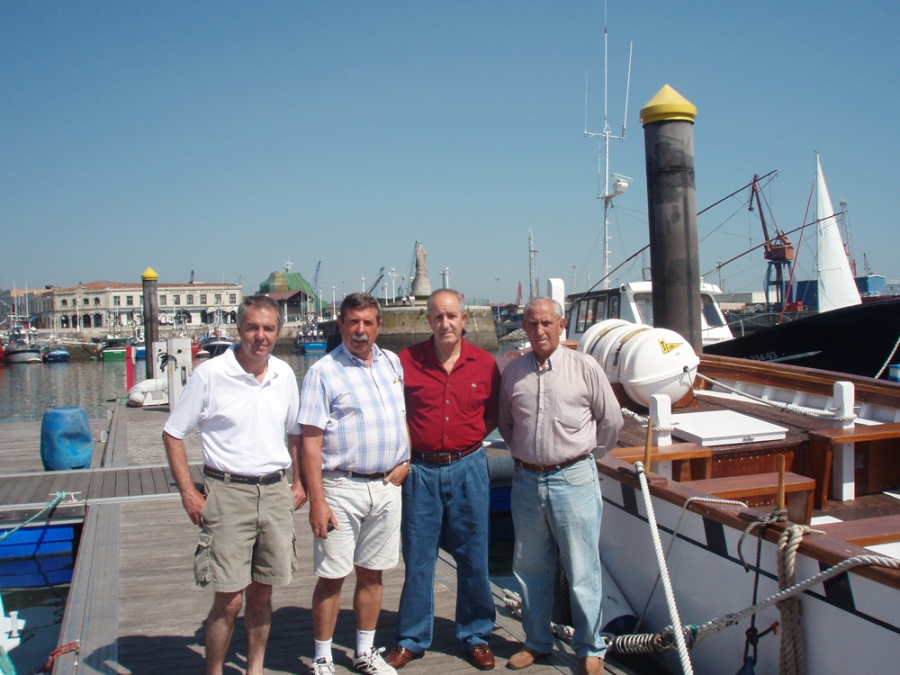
[367, 577]
[228, 604]
[328, 587]
[258, 594]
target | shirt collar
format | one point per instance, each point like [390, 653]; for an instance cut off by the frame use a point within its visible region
[376, 354]
[431, 359]
[553, 361]
[235, 369]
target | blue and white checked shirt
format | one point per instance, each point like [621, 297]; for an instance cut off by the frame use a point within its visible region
[360, 408]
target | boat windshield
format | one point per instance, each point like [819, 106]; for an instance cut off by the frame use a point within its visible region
[711, 311]
[644, 302]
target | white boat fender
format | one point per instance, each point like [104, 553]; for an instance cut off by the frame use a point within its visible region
[138, 393]
[618, 617]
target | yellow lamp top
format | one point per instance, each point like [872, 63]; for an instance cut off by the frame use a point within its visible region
[668, 105]
[149, 275]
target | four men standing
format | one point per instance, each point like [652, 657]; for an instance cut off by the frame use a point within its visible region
[360, 409]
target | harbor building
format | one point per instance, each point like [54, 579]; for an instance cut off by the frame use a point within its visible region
[100, 307]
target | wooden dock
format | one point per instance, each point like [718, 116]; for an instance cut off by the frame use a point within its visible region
[133, 604]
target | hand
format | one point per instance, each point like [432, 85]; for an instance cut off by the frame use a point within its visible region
[299, 494]
[398, 474]
[193, 503]
[321, 519]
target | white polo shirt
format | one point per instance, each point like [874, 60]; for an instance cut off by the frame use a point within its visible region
[242, 422]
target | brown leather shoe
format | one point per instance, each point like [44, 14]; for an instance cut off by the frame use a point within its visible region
[400, 656]
[592, 665]
[481, 657]
[523, 658]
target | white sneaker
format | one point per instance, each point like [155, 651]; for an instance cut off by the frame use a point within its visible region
[322, 667]
[371, 663]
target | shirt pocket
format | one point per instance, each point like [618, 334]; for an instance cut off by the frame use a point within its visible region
[569, 413]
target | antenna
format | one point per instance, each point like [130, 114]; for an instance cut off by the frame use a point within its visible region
[621, 182]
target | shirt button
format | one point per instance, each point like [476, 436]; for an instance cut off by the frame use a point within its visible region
[447, 419]
[447, 402]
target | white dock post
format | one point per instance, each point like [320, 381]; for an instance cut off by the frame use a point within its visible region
[661, 416]
[843, 481]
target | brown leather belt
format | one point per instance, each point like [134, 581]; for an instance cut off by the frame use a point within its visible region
[266, 479]
[540, 468]
[443, 457]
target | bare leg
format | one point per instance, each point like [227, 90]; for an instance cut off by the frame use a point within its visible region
[326, 606]
[367, 598]
[257, 622]
[219, 629]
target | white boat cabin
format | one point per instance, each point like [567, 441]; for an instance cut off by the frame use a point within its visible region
[633, 302]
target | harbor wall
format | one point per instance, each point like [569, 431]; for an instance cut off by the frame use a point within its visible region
[405, 326]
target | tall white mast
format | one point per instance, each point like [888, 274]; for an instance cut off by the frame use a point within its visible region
[621, 182]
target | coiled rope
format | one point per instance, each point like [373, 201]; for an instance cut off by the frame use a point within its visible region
[50, 505]
[645, 420]
[784, 407]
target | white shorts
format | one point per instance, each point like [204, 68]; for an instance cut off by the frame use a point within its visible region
[368, 535]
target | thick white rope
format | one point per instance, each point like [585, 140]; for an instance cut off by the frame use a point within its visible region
[792, 657]
[784, 407]
[645, 420]
[664, 572]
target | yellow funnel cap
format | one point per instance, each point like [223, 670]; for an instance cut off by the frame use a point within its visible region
[668, 105]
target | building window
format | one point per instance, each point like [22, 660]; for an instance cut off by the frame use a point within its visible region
[176, 299]
[232, 298]
[190, 299]
[65, 303]
[218, 298]
[96, 302]
[162, 300]
[129, 300]
[117, 300]
[203, 298]
[85, 301]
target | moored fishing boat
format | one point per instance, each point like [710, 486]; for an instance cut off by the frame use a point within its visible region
[22, 347]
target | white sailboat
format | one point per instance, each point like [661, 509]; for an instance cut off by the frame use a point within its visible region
[837, 288]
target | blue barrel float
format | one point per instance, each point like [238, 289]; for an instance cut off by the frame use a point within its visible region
[66, 439]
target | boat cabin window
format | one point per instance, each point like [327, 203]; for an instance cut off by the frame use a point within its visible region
[711, 311]
[585, 318]
[613, 307]
[644, 302]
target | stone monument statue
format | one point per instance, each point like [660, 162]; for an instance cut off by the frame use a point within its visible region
[421, 287]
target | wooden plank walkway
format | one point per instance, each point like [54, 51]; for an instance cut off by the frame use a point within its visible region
[161, 612]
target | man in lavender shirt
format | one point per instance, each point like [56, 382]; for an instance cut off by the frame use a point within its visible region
[556, 409]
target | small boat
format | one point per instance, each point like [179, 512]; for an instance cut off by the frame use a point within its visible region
[22, 347]
[215, 342]
[309, 344]
[54, 353]
[113, 348]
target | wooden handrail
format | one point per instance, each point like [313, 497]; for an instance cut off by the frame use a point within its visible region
[859, 434]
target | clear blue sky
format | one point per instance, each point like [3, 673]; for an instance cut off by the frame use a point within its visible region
[227, 137]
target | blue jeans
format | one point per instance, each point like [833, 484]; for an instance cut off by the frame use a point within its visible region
[559, 509]
[449, 504]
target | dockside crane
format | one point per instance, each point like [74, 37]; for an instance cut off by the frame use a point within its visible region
[377, 281]
[777, 249]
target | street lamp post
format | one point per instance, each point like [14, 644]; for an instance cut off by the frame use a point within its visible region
[393, 274]
[363, 284]
[343, 292]
[497, 279]
[333, 304]
[384, 285]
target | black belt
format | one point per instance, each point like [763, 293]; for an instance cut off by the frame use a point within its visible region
[540, 468]
[266, 479]
[357, 474]
[443, 457]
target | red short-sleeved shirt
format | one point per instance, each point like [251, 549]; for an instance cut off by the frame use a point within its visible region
[446, 413]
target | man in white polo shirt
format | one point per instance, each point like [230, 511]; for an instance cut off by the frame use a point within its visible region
[355, 457]
[244, 403]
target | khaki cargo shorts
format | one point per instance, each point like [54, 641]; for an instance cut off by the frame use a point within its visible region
[247, 535]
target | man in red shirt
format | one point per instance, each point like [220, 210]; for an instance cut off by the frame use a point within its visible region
[452, 390]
